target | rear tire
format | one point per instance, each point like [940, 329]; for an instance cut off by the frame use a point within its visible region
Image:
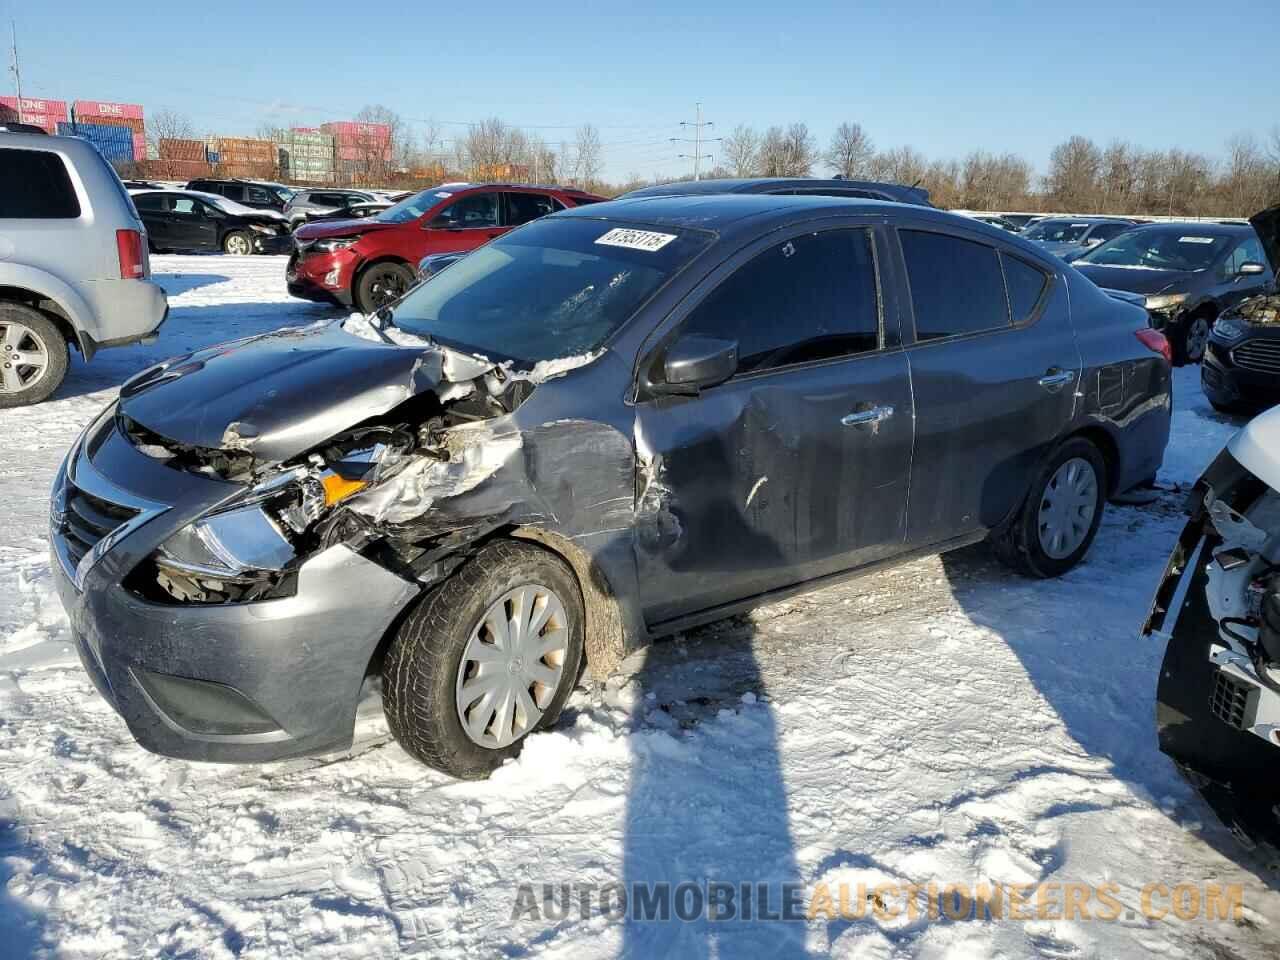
[381, 284]
[238, 243]
[33, 356]
[1056, 503]
[433, 659]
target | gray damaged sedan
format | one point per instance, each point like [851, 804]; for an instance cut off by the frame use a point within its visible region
[605, 426]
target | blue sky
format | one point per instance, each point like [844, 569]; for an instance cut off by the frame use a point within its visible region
[945, 78]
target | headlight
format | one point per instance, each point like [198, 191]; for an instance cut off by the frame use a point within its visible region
[333, 244]
[269, 229]
[1165, 301]
[1229, 329]
[227, 545]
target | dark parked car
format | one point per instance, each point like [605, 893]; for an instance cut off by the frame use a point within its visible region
[249, 193]
[611, 424]
[1241, 368]
[1217, 615]
[369, 262]
[190, 220]
[1188, 272]
[1069, 238]
[789, 186]
[1022, 220]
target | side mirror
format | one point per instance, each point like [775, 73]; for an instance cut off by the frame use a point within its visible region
[1250, 269]
[694, 363]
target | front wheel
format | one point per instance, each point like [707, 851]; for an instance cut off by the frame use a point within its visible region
[1057, 522]
[33, 356]
[237, 243]
[1190, 342]
[485, 659]
[381, 284]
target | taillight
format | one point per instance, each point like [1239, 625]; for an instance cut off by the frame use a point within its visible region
[1156, 342]
[129, 246]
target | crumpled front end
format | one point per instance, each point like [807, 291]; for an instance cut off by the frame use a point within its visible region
[1218, 610]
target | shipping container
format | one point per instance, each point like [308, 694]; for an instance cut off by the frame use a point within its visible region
[347, 131]
[182, 150]
[174, 169]
[99, 108]
[114, 143]
[46, 114]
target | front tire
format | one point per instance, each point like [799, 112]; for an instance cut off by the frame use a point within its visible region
[485, 659]
[1057, 522]
[33, 356]
[237, 243]
[381, 284]
[1191, 340]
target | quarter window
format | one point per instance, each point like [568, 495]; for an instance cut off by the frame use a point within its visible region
[812, 297]
[956, 285]
[1026, 284]
[34, 185]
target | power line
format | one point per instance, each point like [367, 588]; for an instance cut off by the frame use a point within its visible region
[698, 140]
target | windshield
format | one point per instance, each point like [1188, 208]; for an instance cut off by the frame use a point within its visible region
[411, 208]
[284, 193]
[553, 289]
[1057, 231]
[1180, 248]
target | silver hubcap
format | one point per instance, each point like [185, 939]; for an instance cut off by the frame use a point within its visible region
[512, 666]
[1197, 337]
[237, 245]
[24, 358]
[1067, 508]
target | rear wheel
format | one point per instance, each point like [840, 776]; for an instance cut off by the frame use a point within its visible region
[381, 284]
[1057, 522]
[485, 659]
[237, 243]
[33, 355]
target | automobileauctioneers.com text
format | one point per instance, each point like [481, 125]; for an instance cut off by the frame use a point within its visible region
[726, 901]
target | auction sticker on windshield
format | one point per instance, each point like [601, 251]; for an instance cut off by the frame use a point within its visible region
[636, 239]
[1195, 239]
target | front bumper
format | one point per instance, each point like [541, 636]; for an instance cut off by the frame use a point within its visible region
[322, 277]
[1227, 382]
[237, 682]
[273, 245]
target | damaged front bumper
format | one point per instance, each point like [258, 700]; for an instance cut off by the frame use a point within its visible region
[1216, 716]
[234, 682]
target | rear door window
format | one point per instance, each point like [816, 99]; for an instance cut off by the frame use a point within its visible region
[956, 285]
[812, 297]
[35, 185]
[523, 207]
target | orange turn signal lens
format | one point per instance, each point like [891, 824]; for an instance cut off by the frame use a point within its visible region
[336, 488]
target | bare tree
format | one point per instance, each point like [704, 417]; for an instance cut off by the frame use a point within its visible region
[1074, 166]
[851, 151]
[378, 155]
[742, 151]
[587, 161]
[904, 165]
[167, 125]
[787, 153]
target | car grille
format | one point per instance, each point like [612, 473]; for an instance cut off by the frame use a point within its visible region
[1261, 356]
[1231, 701]
[87, 519]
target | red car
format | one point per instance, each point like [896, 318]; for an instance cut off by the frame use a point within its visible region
[370, 262]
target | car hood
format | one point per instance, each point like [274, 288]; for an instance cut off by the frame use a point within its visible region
[1267, 224]
[1135, 279]
[322, 229]
[283, 393]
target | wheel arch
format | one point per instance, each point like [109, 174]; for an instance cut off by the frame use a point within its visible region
[61, 312]
[1108, 447]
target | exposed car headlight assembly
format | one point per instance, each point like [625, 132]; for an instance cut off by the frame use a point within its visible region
[333, 244]
[1229, 329]
[270, 230]
[1165, 301]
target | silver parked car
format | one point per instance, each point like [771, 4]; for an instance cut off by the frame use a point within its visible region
[306, 204]
[74, 270]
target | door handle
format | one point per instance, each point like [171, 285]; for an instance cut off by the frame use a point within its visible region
[1055, 378]
[862, 417]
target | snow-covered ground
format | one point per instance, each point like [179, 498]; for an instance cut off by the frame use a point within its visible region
[945, 721]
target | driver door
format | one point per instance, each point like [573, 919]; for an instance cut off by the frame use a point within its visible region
[798, 465]
[468, 222]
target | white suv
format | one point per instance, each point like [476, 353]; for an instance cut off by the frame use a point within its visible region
[73, 263]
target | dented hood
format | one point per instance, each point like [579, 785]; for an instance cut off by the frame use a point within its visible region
[280, 394]
[1267, 224]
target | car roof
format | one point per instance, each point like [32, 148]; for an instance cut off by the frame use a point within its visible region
[1205, 228]
[768, 184]
[1089, 219]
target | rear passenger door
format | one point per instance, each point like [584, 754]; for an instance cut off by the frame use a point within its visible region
[994, 369]
[798, 465]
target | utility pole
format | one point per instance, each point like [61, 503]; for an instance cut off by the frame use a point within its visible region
[697, 140]
[13, 68]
